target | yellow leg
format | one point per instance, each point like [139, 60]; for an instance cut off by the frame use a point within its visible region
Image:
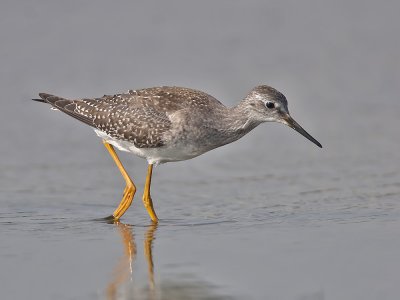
[148, 203]
[130, 188]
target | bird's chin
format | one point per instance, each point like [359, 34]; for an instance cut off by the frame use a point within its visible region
[264, 118]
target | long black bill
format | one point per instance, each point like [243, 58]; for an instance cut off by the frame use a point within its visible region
[293, 124]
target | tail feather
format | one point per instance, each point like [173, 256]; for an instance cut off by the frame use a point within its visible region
[38, 100]
[46, 98]
[67, 106]
[55, 101]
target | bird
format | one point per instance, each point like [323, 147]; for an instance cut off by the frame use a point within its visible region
[168, 123]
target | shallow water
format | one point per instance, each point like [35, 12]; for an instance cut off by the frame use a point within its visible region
[268, 217]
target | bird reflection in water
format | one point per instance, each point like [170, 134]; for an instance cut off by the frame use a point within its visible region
[124, 268]
[182, 287]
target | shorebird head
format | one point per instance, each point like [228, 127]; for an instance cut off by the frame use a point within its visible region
[269, 105]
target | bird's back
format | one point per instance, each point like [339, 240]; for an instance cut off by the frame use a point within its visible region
[170, 99]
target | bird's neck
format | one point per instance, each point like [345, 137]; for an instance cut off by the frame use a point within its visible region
[242, 118]
[238, 121]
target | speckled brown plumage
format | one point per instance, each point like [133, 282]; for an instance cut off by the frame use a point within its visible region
[140, 117]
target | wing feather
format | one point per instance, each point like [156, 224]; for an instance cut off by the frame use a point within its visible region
[138, 116]
[141, 125]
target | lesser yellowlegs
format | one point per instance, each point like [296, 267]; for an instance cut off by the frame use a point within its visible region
[165, 124]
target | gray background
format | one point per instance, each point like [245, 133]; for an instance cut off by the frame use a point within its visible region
[268, 217]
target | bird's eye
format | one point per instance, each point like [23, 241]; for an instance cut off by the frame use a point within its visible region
[270, 104]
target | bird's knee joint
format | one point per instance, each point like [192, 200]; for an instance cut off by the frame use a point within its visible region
[131, 187]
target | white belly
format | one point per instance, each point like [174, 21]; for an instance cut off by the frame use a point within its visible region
[153, 155]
